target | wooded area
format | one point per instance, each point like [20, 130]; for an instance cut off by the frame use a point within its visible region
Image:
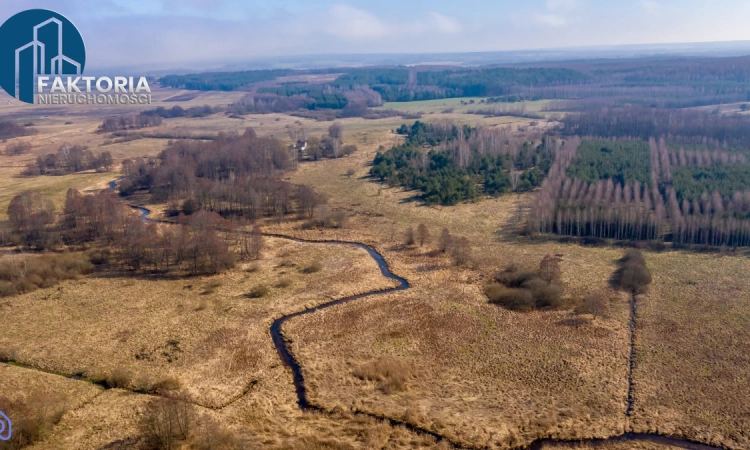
[69, 159]
[707, 204]
[450, 163]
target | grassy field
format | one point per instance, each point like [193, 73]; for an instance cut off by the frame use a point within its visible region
[471, 371]
[380, 215]
[106, 323]
[693, 350]
[485, 377]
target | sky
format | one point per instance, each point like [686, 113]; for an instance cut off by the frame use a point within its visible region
[190, 33]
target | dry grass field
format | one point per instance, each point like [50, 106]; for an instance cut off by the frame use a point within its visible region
[437, 355]
[203, 332]
[665, 403]
[693, 350]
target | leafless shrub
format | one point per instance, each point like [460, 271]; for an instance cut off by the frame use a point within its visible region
[209, 435]
[166, 422]
[284, 283]
[514, 299]
[313, 267]
[33, 418]
[594, 304]
[461, 251]
[409, 238]
[8, 354]
[445, 240]
[167, 384]
[424, 234]
[286, 262]
[20, 273]
[211, 287]
[119, 378]
[258, 292]
[19, 148]
[99, 256]
[524, 290]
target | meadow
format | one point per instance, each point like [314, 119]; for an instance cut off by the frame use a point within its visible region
[437, 356]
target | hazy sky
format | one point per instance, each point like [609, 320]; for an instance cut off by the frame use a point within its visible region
[172, 32]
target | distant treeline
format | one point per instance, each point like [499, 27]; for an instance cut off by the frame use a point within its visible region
[389, 84]
[649, 82]
[134, 122]
[450, 163]
[178, 111]
[221, 81]
[686, 127]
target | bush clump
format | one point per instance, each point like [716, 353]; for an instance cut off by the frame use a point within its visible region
[258, 292]
[33, 417]
[389, 372]
[633, 274]
[20, 274]
[519, 289]
[119, 378]
[166, 422]
[313, 267]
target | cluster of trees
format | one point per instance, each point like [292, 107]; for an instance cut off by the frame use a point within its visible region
[330, 145]
[69, 159]
[711, 208]
[17, 148]
[10, 130]
[521, 289]
[30, 216]
[267, 103]
[142, 120]
[233, 175]
[458, 247]
[203, 242]
[450, 164]
[621, 161]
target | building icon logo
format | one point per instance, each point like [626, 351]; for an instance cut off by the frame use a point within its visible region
[38, 42]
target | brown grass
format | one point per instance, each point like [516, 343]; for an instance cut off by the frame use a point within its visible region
[390, 373]
[693, 351]
[156, 329]
[487, 376]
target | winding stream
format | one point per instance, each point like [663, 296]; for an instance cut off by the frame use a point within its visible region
[299, 382]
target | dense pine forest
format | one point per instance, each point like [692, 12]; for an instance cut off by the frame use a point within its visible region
[449, 164]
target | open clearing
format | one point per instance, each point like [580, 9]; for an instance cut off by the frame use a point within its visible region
[202, 331]
[693, 350]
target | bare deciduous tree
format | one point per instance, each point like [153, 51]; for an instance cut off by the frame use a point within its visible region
[424, 234]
